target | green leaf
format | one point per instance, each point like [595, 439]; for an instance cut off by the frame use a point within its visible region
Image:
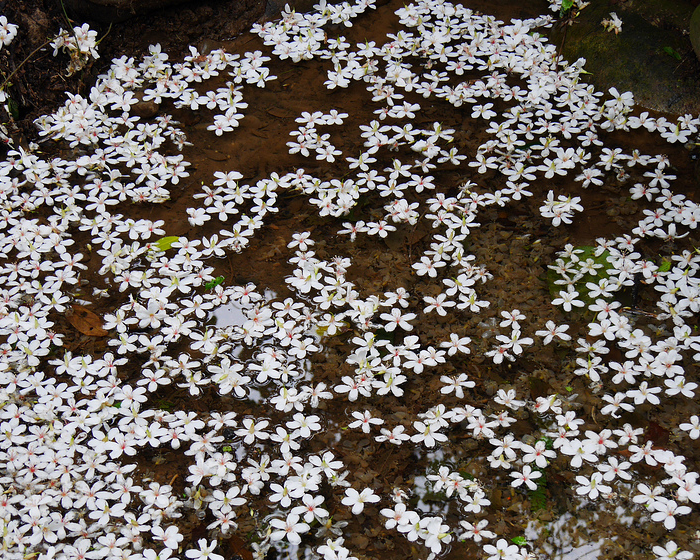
[665, 266]
[165, 243]
[566, 6]
[520, 541]
[214, 283]
[671, 52]
[13, 108]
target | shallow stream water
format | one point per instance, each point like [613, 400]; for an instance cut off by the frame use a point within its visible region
[514, 243]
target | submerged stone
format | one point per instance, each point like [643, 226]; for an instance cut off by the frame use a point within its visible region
[652, 56]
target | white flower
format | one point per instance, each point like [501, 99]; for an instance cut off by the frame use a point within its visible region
[579, 451]
[527, 477]
[671, 552]
[612, 24]
[615, 403]
[592, 487]
[498, 353]
[507, 398]
[456, 344]
[397, 319]
[614, 468]
[514, 343]
[511, 318]
[645, 393]
[567, 299]
[539, 454]
[310, 508]
[647, 453]
[647, 495]
[357, 500]
[395, 436]
[205, 551]
[476, 532]
[427, 434]
[304, 425]
[679, 384]
[427, 266]
[456, 384]
[666, 510]
[692, 427]
[439, 304]
[434, 532]
[554, 331]
[628, 434]
[364, 421]
[253, 430]
[502, 551]
[505, 447]
[8, 31]
[288, 528]
[171, 536]
[399, 516]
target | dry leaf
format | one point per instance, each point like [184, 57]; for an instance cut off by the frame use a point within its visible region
[85, 321]
[240, 548]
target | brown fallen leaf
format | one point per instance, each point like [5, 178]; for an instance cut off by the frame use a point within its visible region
[239, 548]
[85, 321]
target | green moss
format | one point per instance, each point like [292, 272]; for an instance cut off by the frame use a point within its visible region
[538, 497]
[584, 253]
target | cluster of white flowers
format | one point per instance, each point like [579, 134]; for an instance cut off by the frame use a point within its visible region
[560, 210]
[614, 23]
[81, 45]
[8, 31]
[73, 423]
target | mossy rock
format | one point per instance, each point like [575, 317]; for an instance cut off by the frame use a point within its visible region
[652, 57]
[695, 31]
[586, 252]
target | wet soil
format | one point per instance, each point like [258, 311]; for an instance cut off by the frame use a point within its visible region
[39, 85]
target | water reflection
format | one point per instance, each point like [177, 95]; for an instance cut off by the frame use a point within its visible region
[234, 314]
[563, 539]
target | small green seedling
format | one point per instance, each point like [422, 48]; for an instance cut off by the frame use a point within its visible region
[671, 52]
